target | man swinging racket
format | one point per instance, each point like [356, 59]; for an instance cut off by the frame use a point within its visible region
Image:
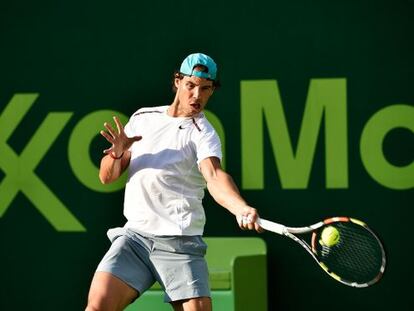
[172, 153]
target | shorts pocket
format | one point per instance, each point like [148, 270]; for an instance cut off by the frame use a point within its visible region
[115, 233]
[194, 245]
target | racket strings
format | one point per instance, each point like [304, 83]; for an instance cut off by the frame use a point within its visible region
[357, 256]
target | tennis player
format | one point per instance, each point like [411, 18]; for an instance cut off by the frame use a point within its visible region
[172, 153]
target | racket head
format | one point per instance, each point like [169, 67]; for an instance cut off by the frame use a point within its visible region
[357, 259]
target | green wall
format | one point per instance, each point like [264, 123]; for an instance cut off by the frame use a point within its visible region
[316, 109]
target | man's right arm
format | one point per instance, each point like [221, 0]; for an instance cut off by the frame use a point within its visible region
[112, 168]
[117, 157]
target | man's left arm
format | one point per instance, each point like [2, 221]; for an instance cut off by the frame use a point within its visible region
[225, 192]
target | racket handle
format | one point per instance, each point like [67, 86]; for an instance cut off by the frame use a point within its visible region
[271, 226]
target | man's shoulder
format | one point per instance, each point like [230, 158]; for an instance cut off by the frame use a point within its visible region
[203, 125]
[149, 110]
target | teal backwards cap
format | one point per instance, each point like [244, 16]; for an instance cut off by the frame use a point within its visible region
[192, 60]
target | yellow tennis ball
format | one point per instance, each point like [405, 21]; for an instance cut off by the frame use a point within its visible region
[329, 236]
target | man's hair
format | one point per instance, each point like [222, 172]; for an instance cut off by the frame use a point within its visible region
[179, 75]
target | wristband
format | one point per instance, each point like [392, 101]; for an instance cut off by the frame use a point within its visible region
[114, 157]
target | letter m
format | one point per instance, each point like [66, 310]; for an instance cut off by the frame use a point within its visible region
[326, 100]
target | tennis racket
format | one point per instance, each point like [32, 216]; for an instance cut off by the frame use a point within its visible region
[357, 259]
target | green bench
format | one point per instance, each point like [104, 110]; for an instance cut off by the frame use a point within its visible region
[238, 277]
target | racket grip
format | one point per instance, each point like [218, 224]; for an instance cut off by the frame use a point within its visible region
[271, 226]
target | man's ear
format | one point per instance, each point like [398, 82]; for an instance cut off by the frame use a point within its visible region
[177, 82]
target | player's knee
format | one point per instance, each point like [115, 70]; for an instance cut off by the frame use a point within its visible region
[194, 304]
[99, 303]
[105, 302]
[90, 307]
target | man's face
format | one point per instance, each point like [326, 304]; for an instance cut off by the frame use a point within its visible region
[193, 94]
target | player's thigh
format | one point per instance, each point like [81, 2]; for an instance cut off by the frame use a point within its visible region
[108, 292]
[193, 304]
[181, 267]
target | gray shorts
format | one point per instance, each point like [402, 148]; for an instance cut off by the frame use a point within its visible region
[176, 262]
